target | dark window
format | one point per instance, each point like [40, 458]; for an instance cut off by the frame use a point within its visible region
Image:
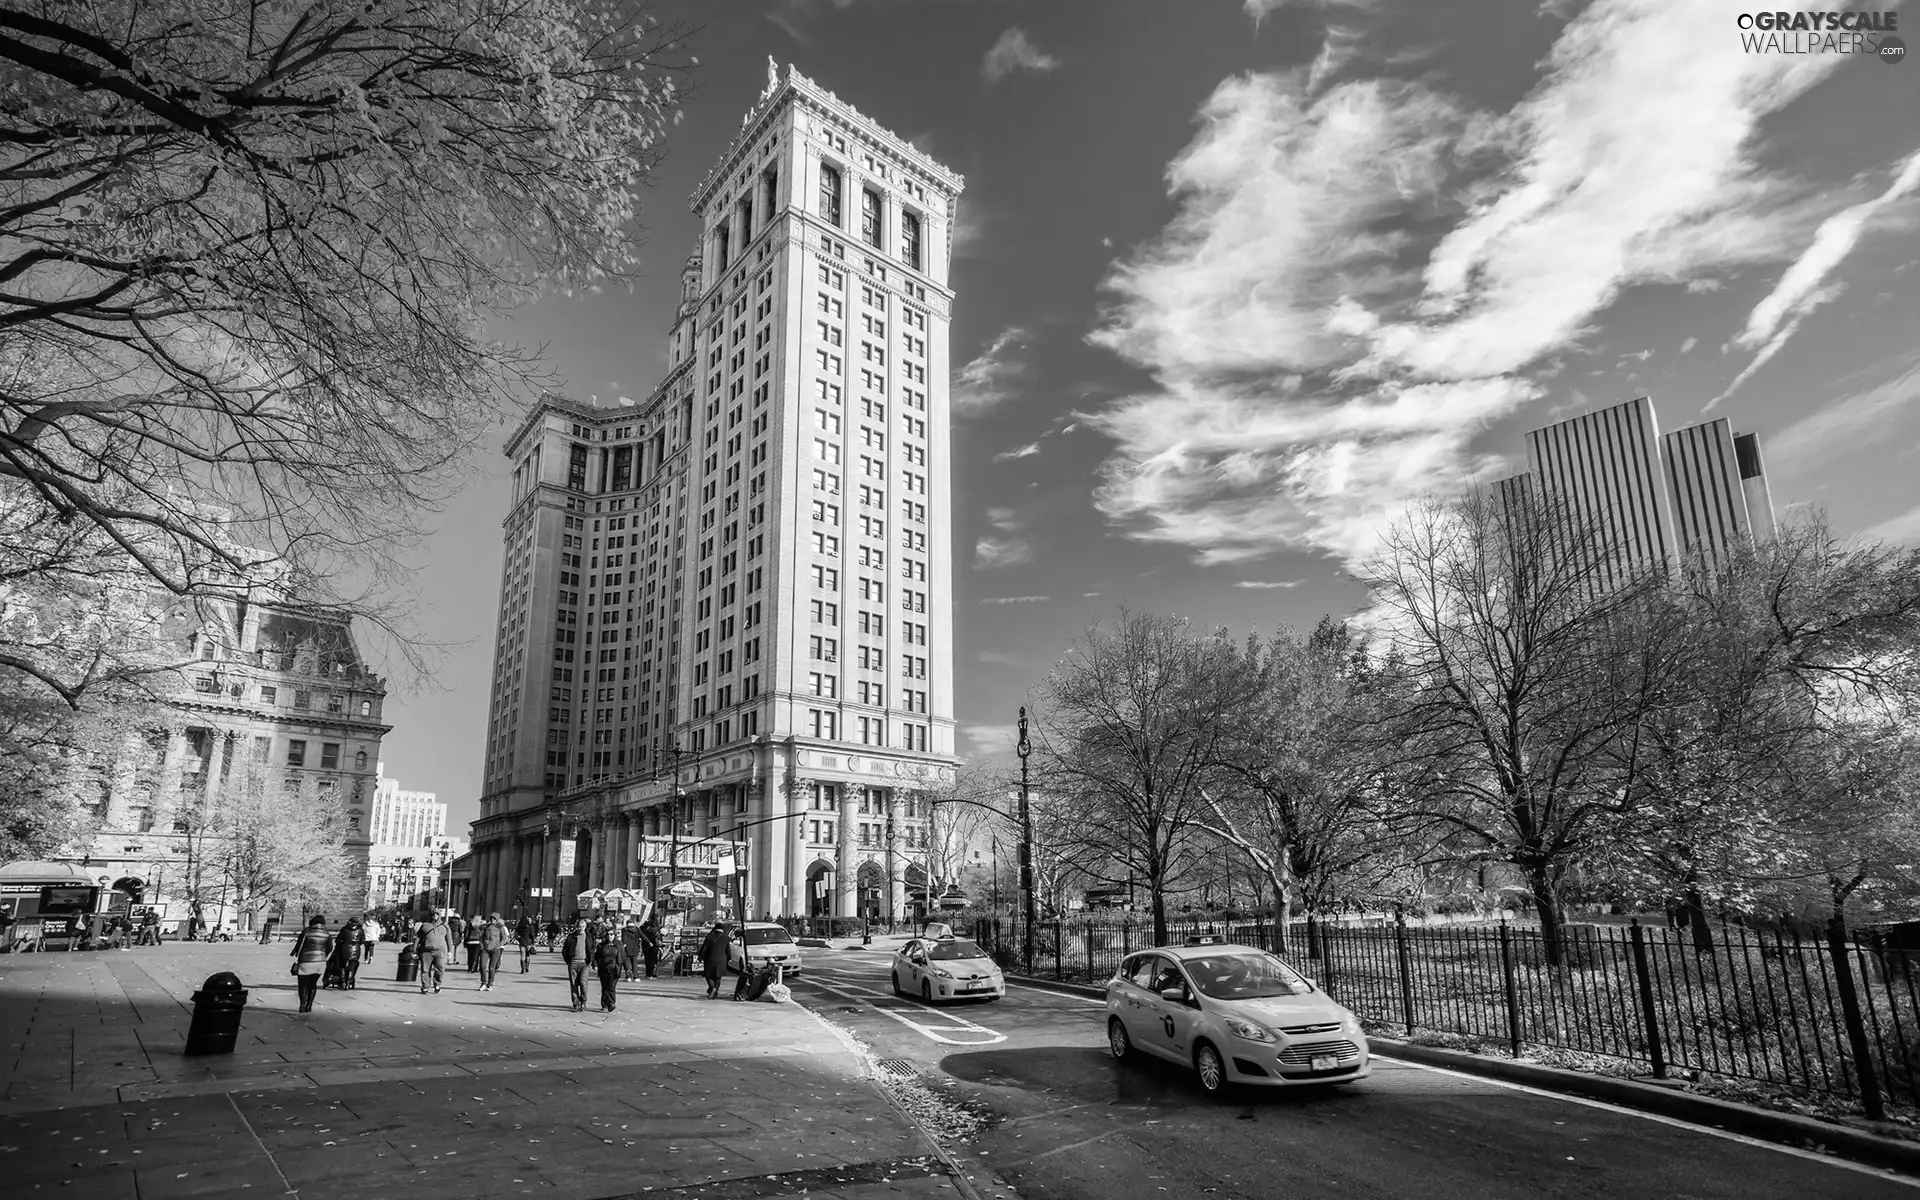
[296, 753]
[268, 695]
[870, 217]
[622, 468]
[910, 240]
[302, 698]
[330, 755]
[830, 194]
[577, 468]
[770, 179]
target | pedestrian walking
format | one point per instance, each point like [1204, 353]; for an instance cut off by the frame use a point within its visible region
[553, 933]
[523, 934]
[456, 931]
[310, 953]
[630, 950]
[346, 953]
[493, 944]
[575, 952]
[371, 927]
[471, 942]
[713, 958]
[649, 945]
[607, 959]
[436, 942]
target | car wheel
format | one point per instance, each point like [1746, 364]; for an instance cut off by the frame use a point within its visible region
[1117, 1039]
[926, 991]
[897, 989]
[1213, 1072]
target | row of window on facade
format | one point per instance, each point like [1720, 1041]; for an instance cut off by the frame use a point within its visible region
[335, 704]
[826, 833]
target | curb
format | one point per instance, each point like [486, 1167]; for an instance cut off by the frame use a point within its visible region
[1787, 1129]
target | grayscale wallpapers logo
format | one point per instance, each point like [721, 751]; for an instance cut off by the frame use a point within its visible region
[1866, 34]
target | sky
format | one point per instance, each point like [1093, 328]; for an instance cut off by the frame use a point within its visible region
[1236, 279]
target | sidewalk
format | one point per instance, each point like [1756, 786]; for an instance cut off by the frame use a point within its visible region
[385, 1092]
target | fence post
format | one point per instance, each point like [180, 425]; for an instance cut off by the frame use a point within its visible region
[1871, 1100]
[1059, 967]
[1126, 936]
[1091, 974]
[1406, 967]
[1643, 976]
[1512, 987]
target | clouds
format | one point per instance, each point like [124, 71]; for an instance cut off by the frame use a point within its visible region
[1360, 280]
[1004, 547]
[1846, 424]
[1015, 51]
[1803, 287]
[1903, 528]
[1016, 600]
[988, 380]
[1026, 451]
[1268, 585]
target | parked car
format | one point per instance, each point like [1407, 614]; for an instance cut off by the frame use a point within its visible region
[1234, 1014]
[762, 943]
[946, 969]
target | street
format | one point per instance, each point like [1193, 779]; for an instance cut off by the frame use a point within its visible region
[1072, 1124]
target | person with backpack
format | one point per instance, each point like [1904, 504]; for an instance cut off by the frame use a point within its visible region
[436, 942]
[493, 944]
[575, 951]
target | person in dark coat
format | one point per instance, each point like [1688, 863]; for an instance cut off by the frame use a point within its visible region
[553, 933]
[630, 950]
[649, 945]
[524, 935]
[575, 952]
[713, 958]
[607, 962]
[310, 953]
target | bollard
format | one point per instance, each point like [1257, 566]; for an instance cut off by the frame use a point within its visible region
[409, 965]
[216, 1015]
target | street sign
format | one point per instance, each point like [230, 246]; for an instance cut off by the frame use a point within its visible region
[725, 864]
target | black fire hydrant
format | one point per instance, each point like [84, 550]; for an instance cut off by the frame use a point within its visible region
[216, 1015]
[409, 968]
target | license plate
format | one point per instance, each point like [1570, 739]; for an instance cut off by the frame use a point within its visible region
[1324, 1062]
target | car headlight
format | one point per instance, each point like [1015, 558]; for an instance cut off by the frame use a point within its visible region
[943, 973]
[1249, 1031]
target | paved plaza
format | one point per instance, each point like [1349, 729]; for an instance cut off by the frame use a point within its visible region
[385, 1092]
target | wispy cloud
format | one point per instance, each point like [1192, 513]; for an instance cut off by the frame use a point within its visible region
[1005, 546]
[1803, 287]
[1026, 451]
[991, 739]
[988, 380]
[1904, 528]
[1260, 9]
[1319, 359]
[1265, 584]
[1686, 347]
[1845, 424]
[1015, 51]
[1017, 600]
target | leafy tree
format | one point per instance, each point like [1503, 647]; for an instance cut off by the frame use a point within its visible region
[249, 253]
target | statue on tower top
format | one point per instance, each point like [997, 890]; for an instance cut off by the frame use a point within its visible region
[773, 77]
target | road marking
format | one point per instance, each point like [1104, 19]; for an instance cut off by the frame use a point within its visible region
[1026, 987]
[1727, 1135]
[935, 1033]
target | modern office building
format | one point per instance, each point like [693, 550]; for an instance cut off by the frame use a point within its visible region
[1691, 495]
[731, 601]
[273, 701]
[411, 852]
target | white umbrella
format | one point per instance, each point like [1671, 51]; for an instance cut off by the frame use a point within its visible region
[687, 887]
[593, 894]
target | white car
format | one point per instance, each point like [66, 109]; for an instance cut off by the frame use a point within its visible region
[763, 943]
[946, 969]
[1235, 1014]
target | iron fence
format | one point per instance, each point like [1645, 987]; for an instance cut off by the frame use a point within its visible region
[1835, 1017]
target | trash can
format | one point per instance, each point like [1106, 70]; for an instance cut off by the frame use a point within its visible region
[409, 969]
[216, 1014]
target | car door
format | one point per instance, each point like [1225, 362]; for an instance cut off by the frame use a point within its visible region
[1171, 1031]
[908, 972]
[1137, 1007]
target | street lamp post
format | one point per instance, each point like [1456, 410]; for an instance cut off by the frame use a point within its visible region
[673, 856]
[1026, 839]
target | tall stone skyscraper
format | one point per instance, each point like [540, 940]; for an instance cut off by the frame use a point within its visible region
[732, 600]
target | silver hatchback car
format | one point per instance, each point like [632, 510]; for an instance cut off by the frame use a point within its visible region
[1235, 1014]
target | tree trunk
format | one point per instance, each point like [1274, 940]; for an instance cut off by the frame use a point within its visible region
[1696, 905]
[1553, 921]
[1157, 887]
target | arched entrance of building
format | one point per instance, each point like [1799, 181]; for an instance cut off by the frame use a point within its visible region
[873, 891]
[820, 889]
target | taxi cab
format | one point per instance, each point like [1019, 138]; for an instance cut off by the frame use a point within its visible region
[1235, 1014]
[758, 944]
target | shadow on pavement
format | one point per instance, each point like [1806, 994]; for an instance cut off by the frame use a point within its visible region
[1093, 1073]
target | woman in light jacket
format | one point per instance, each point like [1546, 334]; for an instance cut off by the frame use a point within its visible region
[310, 952]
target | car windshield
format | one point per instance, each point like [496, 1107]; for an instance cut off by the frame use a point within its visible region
[1244, 976]
[768, 937]
[955, 949]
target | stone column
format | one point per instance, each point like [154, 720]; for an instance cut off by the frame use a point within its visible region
[767, 866]
[896, 846]
[846, 870]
